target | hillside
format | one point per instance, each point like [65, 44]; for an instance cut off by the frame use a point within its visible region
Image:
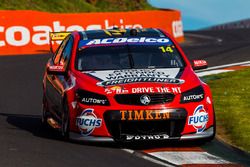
[75, 6]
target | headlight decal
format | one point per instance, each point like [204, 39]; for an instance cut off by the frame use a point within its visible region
[91, 98]
[193, 95]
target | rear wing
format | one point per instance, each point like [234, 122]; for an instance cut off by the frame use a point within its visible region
[55, 39]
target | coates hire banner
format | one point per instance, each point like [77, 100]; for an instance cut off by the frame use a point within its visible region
[27, 32]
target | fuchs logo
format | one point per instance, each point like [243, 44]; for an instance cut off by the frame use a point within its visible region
[88, 121]
[199, 119]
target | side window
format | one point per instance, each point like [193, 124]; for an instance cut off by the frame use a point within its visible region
[59, 51]
[67, 52]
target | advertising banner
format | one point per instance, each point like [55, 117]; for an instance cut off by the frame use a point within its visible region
[27, 32]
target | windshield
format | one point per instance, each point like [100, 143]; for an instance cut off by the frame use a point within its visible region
[128, 57]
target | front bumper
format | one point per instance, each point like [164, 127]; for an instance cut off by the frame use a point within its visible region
[121, 125]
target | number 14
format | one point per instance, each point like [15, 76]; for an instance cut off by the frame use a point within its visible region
[166, 49]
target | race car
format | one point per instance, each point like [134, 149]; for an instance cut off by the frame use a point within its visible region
[125, 85]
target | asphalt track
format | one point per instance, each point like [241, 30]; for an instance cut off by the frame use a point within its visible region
[23, 142]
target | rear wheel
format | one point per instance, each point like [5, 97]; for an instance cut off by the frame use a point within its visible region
[44, 114]
[65, 121]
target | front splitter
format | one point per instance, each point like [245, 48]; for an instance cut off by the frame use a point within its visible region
[78, 137]
[205, 134]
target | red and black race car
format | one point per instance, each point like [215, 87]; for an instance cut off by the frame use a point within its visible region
[125, 85]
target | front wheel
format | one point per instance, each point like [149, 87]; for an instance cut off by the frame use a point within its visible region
[214, 126]
[209, 139]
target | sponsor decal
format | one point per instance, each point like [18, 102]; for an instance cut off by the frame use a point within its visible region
[138, 90]
[116, 90]
[125, 40]
[142, 79]
[147, 137]
[89, 100]
[55, 68]
[114, 77]
[131, 115]
[194, 95]
[198, 63]
[199, 119]
[87, 122]
[143, 90]
[175, 90]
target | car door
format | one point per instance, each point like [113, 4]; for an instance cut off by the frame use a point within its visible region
[56, 82]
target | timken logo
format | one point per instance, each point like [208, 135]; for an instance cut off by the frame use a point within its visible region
[131, 115]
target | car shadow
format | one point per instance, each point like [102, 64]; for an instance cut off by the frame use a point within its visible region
[32, 124]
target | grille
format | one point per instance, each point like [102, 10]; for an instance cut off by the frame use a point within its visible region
[173, 126]
[134, 99]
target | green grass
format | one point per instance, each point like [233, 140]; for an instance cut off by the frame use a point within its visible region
[75, 6]
[231, 95]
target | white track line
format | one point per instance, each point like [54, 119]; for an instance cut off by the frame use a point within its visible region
[205, 73]
[226, 65]
[129, 151]
[148, 158]
[220, 69]
[180, 158]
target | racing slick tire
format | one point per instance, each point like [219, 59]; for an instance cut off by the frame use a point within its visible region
[44, 114]
[213, 136]
[214, 126]
[209, 139]
[65, 121]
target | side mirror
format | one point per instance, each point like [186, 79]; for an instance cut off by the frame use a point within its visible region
[199, 64]
[56, 70]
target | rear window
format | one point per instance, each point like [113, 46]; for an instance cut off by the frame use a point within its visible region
[128, 57]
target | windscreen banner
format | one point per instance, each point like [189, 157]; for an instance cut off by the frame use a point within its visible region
[27, 32]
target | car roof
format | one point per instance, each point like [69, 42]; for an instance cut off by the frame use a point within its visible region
[116, 33]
